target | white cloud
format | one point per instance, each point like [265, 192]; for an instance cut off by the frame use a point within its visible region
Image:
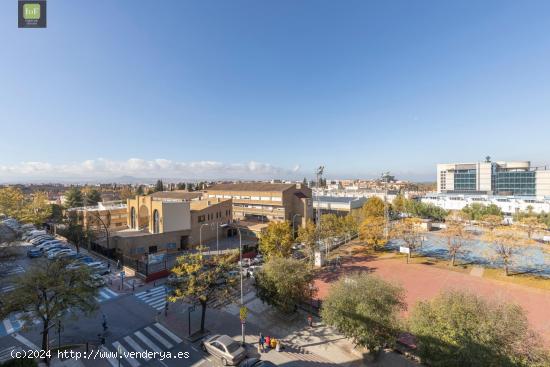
[140, 168]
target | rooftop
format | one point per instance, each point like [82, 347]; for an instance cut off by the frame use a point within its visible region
[251, 186]
[338, 199]
[176, 194]
[203, 204]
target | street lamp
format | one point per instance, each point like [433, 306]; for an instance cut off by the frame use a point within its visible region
[241, 273]
[200, 233]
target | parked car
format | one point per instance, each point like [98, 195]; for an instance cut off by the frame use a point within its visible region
[66, 255]
[45, 242]
[86, 260]
[98, 267]
[75, 265]
[48, 243]
[259, 259]
[95, 281]
[256, 362]
[225, 348]
[34, 253]
[39, 239]
[54, 254]
[52, 246]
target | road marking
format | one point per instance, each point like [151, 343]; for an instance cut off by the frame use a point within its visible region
[25, 341]
[169, 333]
[123, 351]
[159, 338]
[136, 347]
[8, 326]
[113, 361]
[113, 294]
[147, 341]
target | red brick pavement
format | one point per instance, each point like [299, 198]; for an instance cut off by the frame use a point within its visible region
[424, 281]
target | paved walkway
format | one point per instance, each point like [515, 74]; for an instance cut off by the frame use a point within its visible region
[303, 346]
[424, 281]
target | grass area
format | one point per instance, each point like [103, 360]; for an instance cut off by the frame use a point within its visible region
[356, 248]
[527, 280]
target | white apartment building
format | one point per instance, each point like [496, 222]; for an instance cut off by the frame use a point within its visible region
[493, 178]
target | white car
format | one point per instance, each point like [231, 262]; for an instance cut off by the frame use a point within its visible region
[55, 253]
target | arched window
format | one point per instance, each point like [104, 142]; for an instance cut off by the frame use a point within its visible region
[132, 217]
[156, 225]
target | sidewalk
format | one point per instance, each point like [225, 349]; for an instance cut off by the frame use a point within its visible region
[315, 346]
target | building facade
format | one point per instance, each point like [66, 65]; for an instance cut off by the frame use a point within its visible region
[339, 205]
[107, 215]
[264, 202]
[493, 178]
[171, 221]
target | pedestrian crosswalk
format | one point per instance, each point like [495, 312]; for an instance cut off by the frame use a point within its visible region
[105, 294]
[14, 322]
[154, 297]
[132, 348]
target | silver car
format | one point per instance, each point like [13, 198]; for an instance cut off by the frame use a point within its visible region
[226, 348]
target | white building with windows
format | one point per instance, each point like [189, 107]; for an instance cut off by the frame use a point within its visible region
[493, 178]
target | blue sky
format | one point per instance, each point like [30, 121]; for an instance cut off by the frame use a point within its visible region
[259, 89]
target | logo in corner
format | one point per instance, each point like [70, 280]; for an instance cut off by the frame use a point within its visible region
[32, 14]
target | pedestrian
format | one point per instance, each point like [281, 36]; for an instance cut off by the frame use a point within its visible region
[109, 266]
[118, 264]
[310, 320]
[268, 341]
[261, 342]
[278, 346]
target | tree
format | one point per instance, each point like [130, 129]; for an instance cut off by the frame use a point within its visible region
[203, 280]
[139, 190]
[74, 198]
[372, 231]
[399, 204]
[365, 308]
[33, 208]
[331, 226]
[409, 231]
[47, 291]
[374, 207]
[92, 197]
[126, 193]
[36, 209]
[506, 243]
[304, 182]
[476, 211]
[284, 283]
[456, 235]
[531, 225]
[276, 240]
[458, 329]
[11, 201]
[159, 186]
[307, 235]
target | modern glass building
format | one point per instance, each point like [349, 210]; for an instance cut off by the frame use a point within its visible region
[497, 178]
